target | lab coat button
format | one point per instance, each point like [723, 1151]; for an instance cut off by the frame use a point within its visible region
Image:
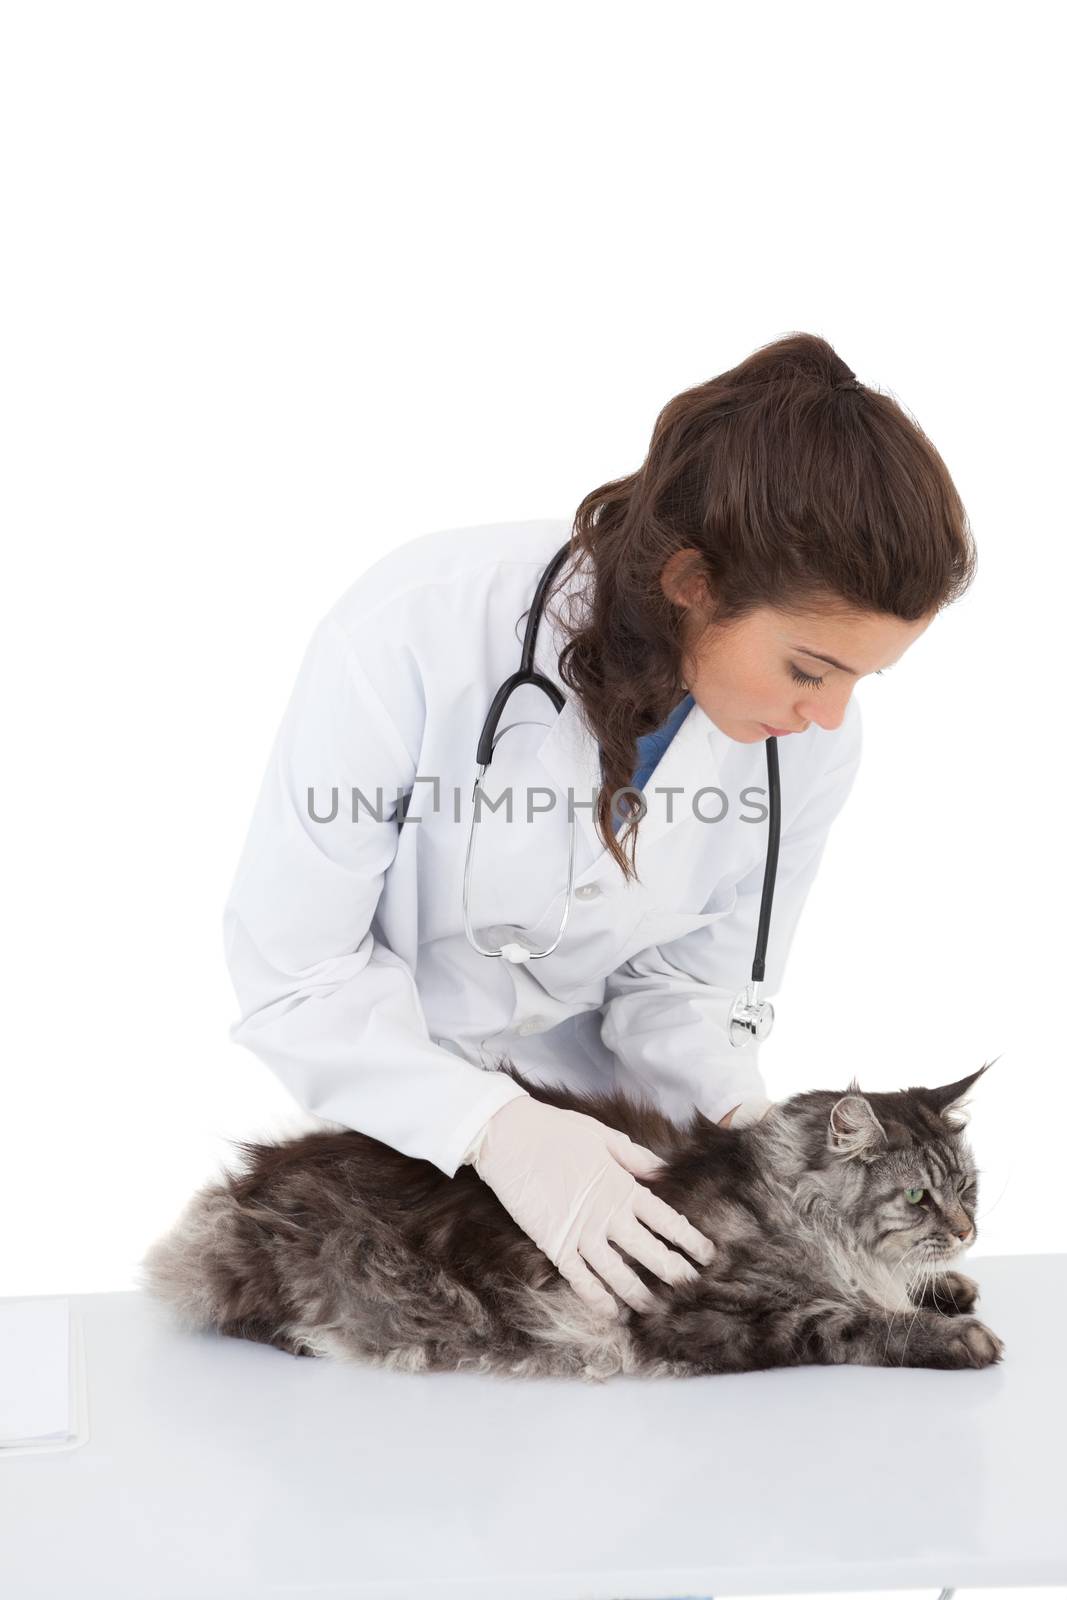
[587, 891]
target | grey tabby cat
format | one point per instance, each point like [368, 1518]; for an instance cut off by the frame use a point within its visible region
[835, 1219]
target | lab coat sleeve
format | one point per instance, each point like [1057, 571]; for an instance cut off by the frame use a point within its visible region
[666, 1011]
[324, 1003]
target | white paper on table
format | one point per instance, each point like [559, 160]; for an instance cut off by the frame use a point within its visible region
[43, 1390]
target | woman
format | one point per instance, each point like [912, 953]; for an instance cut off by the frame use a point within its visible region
[789, 533]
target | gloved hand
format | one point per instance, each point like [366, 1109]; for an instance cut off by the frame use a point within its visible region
[567, 1179]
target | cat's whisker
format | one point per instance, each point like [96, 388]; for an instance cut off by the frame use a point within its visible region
[926, 1277]
[985, 1210]
[902, 1266]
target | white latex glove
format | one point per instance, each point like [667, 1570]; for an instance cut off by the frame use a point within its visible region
[568, 1181]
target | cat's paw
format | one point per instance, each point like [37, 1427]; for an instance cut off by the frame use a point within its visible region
[972, 1344]
[951, 1293]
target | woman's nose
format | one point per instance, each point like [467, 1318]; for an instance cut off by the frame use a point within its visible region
[828, 714]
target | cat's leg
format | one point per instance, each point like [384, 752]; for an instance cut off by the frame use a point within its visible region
[263, 1333]
[686, 1339]
[920, 1337]
[951, 1293]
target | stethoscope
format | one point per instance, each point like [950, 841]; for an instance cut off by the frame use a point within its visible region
[751, 1018]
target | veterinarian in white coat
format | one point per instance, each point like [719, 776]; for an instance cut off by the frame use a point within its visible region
[817, 505]
[345, 939]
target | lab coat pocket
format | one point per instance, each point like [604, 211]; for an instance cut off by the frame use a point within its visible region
[664, 924]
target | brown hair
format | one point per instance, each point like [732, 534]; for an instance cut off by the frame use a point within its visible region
[799, 488]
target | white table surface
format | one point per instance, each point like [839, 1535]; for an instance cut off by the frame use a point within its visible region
[220, 1468]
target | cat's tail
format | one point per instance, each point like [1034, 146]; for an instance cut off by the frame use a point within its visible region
[209, 1269]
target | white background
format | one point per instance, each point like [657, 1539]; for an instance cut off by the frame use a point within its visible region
[286, 285]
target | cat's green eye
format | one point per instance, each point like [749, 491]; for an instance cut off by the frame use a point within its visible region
[913, 1196]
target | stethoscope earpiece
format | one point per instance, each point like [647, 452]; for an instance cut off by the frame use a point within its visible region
[517, 954]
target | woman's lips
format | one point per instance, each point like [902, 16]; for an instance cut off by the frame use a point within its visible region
[775, 733]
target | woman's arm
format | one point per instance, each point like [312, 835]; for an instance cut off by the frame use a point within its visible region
[325, 1004]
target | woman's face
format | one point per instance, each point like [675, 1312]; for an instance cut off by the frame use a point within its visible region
[765, 674]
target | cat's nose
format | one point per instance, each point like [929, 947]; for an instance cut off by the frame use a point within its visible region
[965, 1235]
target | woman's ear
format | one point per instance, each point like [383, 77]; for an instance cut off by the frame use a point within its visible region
[683, 581]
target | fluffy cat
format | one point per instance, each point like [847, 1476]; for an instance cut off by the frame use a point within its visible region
[835, 1221]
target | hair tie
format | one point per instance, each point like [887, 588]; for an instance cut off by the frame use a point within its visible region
[849, 383]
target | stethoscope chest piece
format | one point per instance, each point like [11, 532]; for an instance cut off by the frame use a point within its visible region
[751, 1018]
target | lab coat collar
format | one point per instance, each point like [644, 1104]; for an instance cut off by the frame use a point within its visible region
[570, 754]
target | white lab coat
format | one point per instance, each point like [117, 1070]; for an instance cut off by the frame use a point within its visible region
[345, 941]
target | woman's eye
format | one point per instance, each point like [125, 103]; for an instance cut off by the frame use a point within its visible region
[802, 677]
[913, 1196]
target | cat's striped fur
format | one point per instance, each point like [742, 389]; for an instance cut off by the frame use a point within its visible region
[333, 1244]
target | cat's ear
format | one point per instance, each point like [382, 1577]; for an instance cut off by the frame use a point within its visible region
[948, 1101]
[853, 1130]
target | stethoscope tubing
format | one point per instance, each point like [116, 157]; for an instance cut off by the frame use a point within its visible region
[751, 1018]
